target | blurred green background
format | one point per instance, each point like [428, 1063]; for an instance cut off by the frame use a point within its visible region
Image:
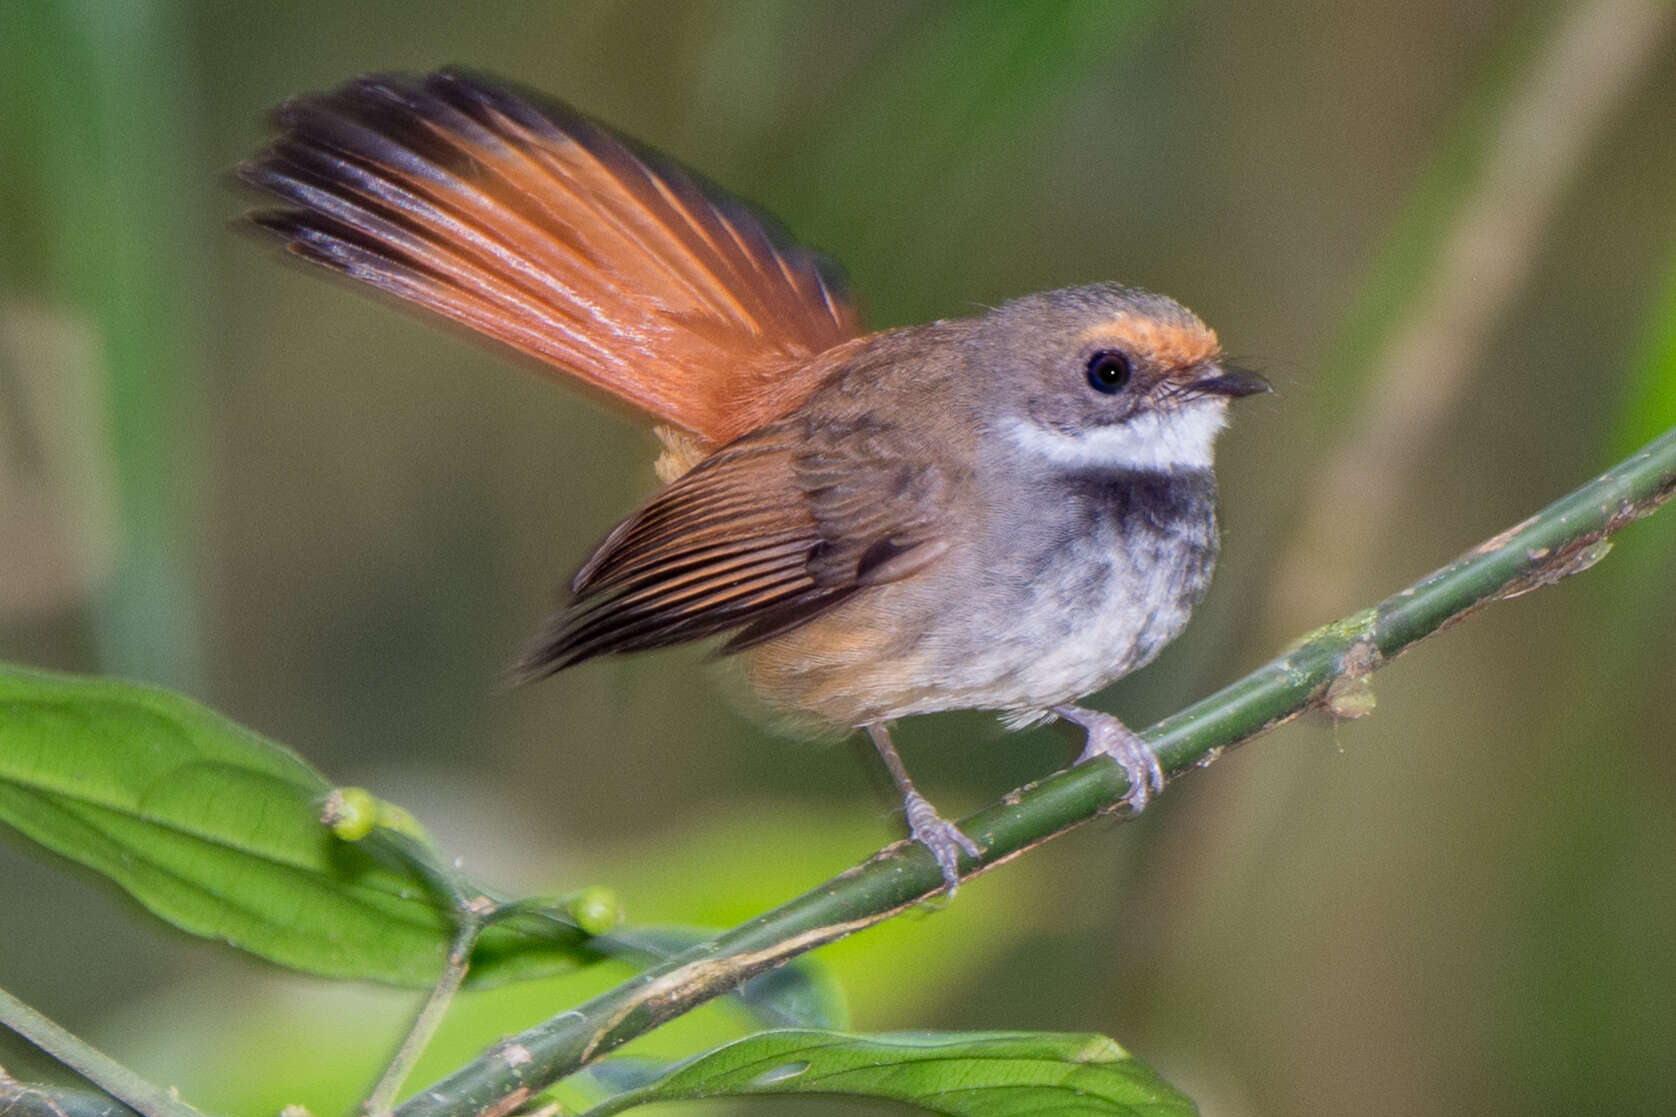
[1446, 231]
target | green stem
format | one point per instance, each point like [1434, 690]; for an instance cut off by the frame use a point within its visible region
[470, 926]
[1563, 539]
[94, 1065]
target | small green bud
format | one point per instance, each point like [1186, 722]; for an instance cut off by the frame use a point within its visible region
[595, 909]
[351, 812]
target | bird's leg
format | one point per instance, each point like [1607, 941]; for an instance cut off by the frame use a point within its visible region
[930, 829]
[1109, 737]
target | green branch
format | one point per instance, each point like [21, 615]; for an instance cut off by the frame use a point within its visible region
[94, 1065]
[1324, 669]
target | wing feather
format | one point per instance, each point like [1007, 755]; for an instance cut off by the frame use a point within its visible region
[762, 537]
[721, 546]
[527, 222]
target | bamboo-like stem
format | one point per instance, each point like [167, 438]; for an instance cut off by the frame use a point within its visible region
[1563, 539]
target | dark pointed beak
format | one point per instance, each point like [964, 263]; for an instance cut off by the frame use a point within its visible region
[1231, 382]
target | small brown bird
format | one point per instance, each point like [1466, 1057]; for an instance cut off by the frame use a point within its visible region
[1001, 512]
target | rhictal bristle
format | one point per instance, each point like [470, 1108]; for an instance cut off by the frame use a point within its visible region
[537, 227]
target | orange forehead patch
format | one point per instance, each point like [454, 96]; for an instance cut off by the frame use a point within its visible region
[1174, 345]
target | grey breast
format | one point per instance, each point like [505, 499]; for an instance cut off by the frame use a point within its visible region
[1101, 568]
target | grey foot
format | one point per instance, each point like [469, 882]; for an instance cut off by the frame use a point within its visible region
[1109, 737]
[942, 837]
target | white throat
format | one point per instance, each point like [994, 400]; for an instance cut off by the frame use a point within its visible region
[1183, 438]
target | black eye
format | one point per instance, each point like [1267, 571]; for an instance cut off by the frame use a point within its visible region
[1108, 371]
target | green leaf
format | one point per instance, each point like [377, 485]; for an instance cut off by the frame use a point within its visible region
[217, 830]
[963, 1074]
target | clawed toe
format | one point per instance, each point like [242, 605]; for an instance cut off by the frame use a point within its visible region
[1139, 763]
[943, 838]
[930, 829]
[1109, 737]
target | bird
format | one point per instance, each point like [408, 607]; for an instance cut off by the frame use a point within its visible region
[1001, 512]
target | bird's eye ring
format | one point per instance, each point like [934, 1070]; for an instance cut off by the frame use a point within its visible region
[1108, 371]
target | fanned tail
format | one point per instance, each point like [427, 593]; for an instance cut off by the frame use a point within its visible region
[536, 227]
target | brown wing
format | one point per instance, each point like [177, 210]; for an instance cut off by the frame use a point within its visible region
[541, 229]
[760, 538]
